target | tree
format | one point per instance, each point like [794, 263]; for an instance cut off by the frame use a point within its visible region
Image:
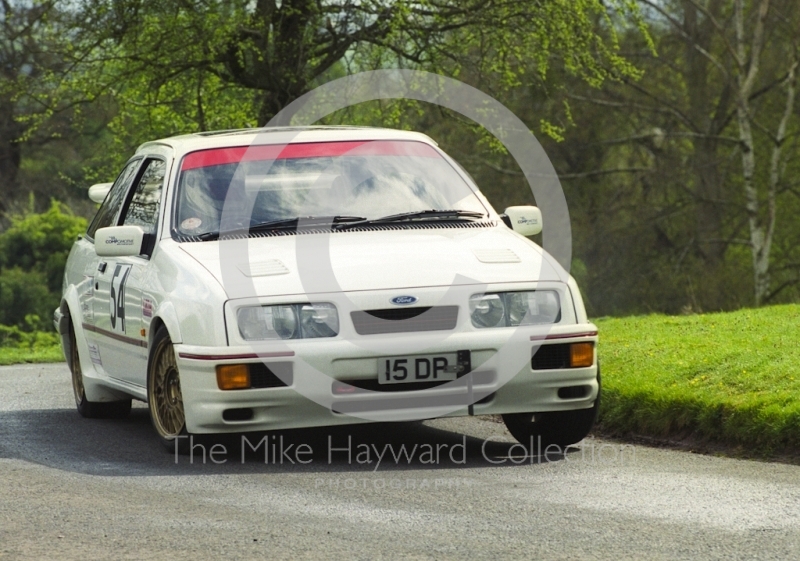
[747, 57]
[38, 105]
[20, 63]
[191, 57]
[721, 88]
[733, 58]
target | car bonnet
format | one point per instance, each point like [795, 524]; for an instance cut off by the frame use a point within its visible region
[374, 260]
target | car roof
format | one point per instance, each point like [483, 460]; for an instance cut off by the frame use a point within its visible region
[278, 135]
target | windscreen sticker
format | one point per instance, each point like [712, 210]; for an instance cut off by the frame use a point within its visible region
[238, 154]
[192, 223]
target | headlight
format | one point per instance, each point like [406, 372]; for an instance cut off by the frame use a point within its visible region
[487, 310]
[510, 309]
[319, 320]
[295, 321]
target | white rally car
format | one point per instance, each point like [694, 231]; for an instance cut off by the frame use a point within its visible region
[295, 277]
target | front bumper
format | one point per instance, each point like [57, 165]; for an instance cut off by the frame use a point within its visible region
[502, 380]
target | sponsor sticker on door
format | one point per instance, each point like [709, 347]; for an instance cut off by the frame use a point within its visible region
[147, 308]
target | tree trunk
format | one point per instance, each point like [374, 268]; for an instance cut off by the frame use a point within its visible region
[760, 235]
[761, 261]
[708, 189]
[10, 154]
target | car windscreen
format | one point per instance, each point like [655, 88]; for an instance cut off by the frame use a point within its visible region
[368, 179]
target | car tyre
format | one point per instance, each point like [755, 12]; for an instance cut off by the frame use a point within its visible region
[91, 409]
[558, 429]
[164, 396]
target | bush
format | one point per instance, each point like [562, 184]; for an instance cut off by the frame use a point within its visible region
[25, 294]
[18, 346]
[33, 253]
[12, 337]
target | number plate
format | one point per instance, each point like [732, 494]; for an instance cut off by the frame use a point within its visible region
[418, 368]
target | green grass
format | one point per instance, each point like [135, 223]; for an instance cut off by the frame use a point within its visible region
[731, 377]
[17, 346]
[18, 356]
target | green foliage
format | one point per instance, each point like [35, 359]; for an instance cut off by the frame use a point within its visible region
[726, 377]
[185, 66]
[41, 117]
[24, 294]
[28, 344]
[19, 356]
[646, 145]
[18, 346]
[12, 337]
[33, 253]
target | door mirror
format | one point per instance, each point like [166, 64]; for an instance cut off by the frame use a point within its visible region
[99, 191]
[118, 241]
[525, 220]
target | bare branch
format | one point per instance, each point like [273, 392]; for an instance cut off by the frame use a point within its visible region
[677, 25]
[598, 172]
[721, 29]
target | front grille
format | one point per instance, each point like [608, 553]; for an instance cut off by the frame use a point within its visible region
[262, 376]
[551, 357]
[404, 320]
[398, 314]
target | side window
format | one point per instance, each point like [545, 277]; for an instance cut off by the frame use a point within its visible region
[143, 207]
[113, 201]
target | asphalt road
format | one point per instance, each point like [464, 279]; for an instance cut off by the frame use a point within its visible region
[72, 488]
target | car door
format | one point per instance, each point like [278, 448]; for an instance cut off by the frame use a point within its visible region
[124, 302]
[107, 215]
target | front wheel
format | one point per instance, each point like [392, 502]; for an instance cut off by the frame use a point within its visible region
[91, 409]
[556, 428]
[164, 395]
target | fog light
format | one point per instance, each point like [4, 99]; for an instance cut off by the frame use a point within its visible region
[581, 354]
[233, 376]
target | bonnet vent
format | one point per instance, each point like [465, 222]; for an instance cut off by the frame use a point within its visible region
[496, 256]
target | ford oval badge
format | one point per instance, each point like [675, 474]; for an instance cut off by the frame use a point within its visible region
[403, 300]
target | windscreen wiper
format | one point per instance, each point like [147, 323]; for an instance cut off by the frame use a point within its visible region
[305, 221]
[420, 216]
[286, 224]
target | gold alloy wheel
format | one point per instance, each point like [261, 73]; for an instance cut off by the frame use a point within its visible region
[75, 367]
[166, 401]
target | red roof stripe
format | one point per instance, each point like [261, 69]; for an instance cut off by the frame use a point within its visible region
[219, 156]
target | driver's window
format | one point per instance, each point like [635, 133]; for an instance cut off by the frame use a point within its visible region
[143, 207]
[111, 204]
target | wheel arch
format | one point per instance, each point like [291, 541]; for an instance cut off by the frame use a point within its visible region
[69, 303]
[165, 317]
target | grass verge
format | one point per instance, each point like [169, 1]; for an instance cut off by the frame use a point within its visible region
[18, 346]
[731, 378]
[18, 356]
